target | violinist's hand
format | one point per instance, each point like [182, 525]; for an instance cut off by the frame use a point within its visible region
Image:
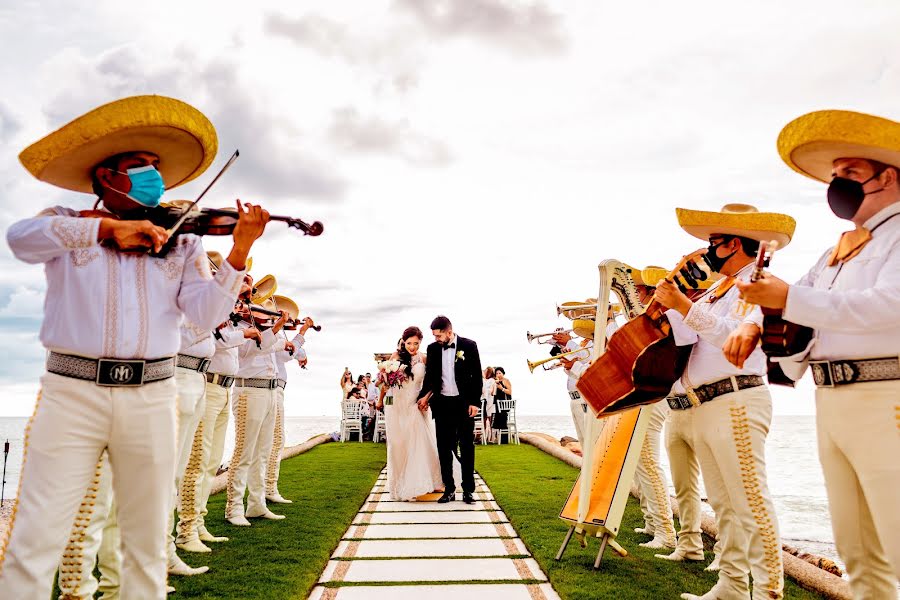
[303, 362]
[251, 224]
[252, 333]
[741, 343]
[768, 291]
[668, 294]
[307, 323]
[132, 234]
[289, 346]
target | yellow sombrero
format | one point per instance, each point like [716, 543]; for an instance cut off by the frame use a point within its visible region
[287, 305]
[264, 289]
[179, 134]
[652, 275]
[738, 219]
[810, 144]
[583, 328]
[216, 258]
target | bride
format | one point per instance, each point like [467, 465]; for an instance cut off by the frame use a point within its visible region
[412, 460]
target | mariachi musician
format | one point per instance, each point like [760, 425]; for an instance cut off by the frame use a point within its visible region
[851, 298]
[288, 351]
[579, 354]
[732, 406]
[255, 410]
[109, 381]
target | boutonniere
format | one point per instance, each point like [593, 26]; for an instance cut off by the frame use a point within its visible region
[460, 355]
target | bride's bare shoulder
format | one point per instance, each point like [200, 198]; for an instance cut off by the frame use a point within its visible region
[423, 358]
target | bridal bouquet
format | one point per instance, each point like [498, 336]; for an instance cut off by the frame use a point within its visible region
[391, 373]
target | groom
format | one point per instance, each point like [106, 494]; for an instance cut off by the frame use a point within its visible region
[453, 376]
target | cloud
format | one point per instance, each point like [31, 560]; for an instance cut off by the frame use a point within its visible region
[9, 124]
[530, 28]
[351, 131]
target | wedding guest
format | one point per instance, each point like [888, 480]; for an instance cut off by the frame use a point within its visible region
[503, 392]
[488, 390]
[346, 383]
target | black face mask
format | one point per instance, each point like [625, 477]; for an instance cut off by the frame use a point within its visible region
[845, 196]
[714, 261]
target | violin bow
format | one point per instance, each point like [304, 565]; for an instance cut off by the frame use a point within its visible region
[171, 230]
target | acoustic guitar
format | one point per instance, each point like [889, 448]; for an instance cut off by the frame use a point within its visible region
[641, 362]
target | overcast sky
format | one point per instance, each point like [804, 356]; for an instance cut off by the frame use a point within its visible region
[476, 158]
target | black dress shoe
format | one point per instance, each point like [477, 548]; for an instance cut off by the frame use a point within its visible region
[468, 498]
[447, 497]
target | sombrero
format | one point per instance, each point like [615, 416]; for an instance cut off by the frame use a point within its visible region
[810, 144]
[179, 134]
[264, 289]
[583, 328]
[652, 275]
[287, 305]
[216, 258]
[741, 220]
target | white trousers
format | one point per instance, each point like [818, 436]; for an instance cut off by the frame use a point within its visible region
[859, 448]
[87, 542]
[205, 459]
[273, 466]
[73, 422]
[652, 479]
[685, 470]
[254, 423]
[578, 416]
[730, 436]
[191, 394]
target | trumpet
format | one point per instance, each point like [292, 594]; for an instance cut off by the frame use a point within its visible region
[574, 310]
[538, 336]
[533, 364]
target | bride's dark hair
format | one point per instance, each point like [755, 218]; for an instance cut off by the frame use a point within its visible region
[403, 353]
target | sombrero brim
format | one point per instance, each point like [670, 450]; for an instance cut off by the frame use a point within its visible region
[810, 144]
[265, 288]
[759, 226]
[180, 135]
[584, 328]
[286, 304]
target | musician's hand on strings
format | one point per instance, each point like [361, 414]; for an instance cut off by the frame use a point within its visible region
[741, 343]
[668, 294]
[132, 234]
[768, 291]
[251, 224]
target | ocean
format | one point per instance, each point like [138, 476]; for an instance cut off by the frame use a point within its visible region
[795, 476]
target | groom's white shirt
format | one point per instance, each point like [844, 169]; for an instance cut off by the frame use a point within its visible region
[448, 369]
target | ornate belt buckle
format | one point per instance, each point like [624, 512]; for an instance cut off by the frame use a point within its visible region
[273, 383]
[120, 373]
[692, 397]
[821, 370]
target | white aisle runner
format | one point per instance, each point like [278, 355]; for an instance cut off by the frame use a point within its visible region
[432, 551]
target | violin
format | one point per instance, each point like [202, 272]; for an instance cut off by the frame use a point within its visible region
[205, 221]
[265, 318]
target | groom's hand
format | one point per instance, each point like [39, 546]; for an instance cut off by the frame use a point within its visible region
[473, 411]
[423, 404]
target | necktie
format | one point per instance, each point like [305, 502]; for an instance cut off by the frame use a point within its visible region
[850, 244]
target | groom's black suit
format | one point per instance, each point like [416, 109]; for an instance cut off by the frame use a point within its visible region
[452, 422]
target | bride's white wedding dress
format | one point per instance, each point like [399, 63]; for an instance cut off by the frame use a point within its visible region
[413, 468]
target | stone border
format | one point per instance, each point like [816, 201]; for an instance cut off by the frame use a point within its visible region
[806, 574]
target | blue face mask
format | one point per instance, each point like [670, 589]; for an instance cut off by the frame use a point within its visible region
[147, 185]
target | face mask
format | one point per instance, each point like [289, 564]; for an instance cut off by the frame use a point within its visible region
[147, 186]
[714, 261]
[845, 196]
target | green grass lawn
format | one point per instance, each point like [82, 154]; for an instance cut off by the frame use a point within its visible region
[276, 560]
[531, 486]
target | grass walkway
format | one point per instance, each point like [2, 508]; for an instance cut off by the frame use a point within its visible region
[274, 560]
[531, 486]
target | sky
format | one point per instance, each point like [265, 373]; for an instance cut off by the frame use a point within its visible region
[474, 158]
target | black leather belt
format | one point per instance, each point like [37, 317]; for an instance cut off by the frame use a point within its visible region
[113, 372]
[829, 373]
[218, 379]
[710, 391]
[256, 382]
[194, 363]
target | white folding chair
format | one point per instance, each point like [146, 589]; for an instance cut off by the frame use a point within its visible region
[379, 426]
[479, 425]
[350, 419]
[511, 430]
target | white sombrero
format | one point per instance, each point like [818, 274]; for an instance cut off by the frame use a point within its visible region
[179, 134]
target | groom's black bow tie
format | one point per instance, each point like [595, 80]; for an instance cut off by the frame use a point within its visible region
[451, 345]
